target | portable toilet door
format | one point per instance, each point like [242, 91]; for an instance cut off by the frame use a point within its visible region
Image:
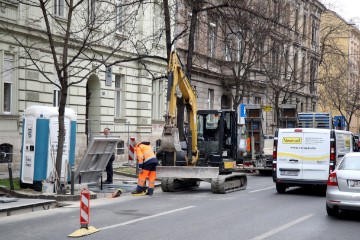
[28, 150]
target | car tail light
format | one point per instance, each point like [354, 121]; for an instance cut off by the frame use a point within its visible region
[275, 149]
[332, 156]
[332, 180]
[332, 151]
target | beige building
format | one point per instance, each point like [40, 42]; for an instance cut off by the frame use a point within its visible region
[129, 102]
[340, 71]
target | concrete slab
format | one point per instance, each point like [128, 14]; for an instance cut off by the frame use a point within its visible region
[25, 205]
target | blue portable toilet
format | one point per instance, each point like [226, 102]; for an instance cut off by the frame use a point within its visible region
[40, 141]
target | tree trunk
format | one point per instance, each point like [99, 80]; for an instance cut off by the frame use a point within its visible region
[61, 137]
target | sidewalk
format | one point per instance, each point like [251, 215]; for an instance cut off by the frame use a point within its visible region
[28, 200]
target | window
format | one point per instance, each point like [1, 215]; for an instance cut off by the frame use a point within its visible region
[6, 151]
[158, 99]
[197, 35]
[119, 17]
[91, 12]
[56, 92]
[286, 63]
[228, 50]
[304, 26]
[276, 11]
[120, 148]
[275, 58]
[211, 99]
[59, 8]
[257, 100]
[314, 31]
[8, 81]
[119, 81]
[56, 98]
[313, 69]
[303, 68]
[212, 38]
[296, 20]
[239, 46]
[296, 60]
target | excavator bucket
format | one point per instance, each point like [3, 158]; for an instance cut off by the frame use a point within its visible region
[170, 139]
[186, 172]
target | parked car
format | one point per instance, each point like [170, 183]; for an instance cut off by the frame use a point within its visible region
[343, 187]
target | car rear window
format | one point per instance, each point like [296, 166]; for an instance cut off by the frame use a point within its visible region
[350, 163]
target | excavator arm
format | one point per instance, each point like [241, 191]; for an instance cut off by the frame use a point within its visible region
[170, 141]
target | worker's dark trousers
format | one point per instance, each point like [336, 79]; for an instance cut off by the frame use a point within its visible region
[109, 171]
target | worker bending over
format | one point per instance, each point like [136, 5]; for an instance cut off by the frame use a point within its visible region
[147, 166]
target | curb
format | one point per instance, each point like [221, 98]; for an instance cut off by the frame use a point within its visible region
[55, 197]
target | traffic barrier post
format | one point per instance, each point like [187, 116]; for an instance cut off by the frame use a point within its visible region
[84, 216]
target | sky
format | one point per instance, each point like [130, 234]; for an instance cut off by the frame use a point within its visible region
[348, 9]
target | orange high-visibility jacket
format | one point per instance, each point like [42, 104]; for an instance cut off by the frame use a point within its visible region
[248, 145]
[144, 153]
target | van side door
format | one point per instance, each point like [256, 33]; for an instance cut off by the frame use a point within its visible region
[316, 150]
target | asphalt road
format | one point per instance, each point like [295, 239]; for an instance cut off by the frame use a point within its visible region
[255, 213]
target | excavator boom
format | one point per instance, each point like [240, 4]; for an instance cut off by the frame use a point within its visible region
[170, 141]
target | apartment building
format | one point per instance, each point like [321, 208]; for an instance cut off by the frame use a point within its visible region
[255, 52]
[105, 91]
[281, 39]
[340, 72]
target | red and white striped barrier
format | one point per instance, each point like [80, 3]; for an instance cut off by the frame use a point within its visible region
[85, 229]
[132, 156]
[84, 208]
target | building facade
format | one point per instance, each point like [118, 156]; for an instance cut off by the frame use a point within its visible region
[268, 58]
[123, 101]
[129, 97]
[340, 71]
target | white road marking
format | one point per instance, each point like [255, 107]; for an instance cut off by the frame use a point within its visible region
[283, 227]
[262, 189]
[146, 218]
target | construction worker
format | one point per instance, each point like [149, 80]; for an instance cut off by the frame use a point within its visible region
[147, 166]
[248, 144]
[109, 166]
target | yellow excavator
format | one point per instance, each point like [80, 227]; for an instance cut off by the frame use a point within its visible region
[210, 147]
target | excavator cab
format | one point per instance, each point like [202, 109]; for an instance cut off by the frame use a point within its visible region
[217, 146]
[217, 141]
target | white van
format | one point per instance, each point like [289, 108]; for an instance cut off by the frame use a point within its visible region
[306, 156]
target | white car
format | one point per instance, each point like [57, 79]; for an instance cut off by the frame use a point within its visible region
[343, 187]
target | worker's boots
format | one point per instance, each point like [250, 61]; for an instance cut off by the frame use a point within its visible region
[150, 191]
[139, 191]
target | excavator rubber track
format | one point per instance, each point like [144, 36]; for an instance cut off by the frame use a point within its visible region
[229, 183]
[222, 184]
[175, 184]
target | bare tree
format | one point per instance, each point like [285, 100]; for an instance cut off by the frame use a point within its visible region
[77, 38]
[339, 69]
[254, 51]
